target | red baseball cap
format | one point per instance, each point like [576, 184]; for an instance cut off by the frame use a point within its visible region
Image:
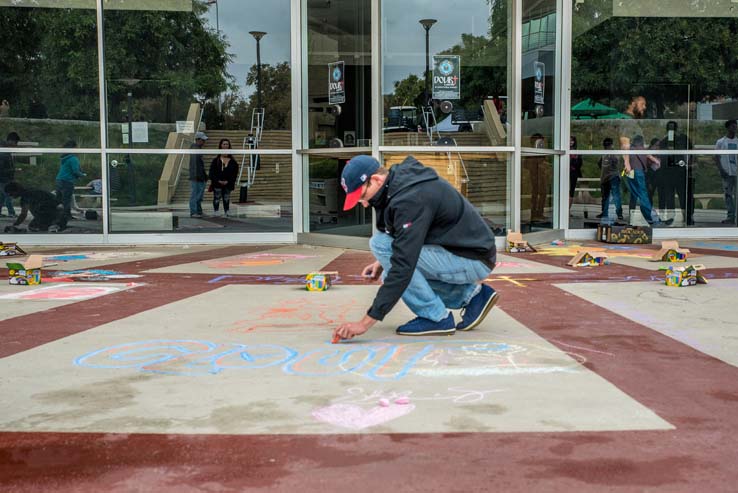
[355, 174]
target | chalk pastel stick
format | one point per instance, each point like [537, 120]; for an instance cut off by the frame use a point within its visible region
[336, 339]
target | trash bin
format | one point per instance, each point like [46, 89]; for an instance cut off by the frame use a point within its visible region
[243, 194]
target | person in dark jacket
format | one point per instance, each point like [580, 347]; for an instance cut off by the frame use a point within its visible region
[223, 174]
[7, 172]
[69, 172]
[432, 248]
[47, 214]
[198, 177]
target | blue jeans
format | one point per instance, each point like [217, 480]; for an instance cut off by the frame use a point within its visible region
[637, 188]
[6, 200]
[64, 192]
[729, 191]
[611, 193]
[441, 280]
[197, 190]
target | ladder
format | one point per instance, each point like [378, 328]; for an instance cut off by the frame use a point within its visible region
[251, 142]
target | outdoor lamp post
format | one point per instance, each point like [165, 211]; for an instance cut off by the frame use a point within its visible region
[217, 16]
[257, 36]
[427, 24]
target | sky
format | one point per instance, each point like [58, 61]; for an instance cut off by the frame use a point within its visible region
[403, 36]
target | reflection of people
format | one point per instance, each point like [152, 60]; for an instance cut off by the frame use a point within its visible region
[636, 110]
[727, 167]
[47, 215]
[4, 108]
[652, 168]
[575, 169]
[610, 182]
[635, 167]
[7, 172]
[198, 177]
[678, 178]
[432, 248]
[95, 186]
[69, 171]
[223, 174]
[537, 169]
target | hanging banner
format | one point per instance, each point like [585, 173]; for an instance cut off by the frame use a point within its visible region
[539, 82]
[336, 86]
[446, 77]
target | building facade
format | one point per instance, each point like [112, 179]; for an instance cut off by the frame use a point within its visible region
[530, 108]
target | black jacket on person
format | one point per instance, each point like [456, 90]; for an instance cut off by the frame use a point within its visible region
[228, 173]
[197, 166]
[7, 166]
[417, 207]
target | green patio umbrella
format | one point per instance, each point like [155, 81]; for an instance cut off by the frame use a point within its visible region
[588, 109]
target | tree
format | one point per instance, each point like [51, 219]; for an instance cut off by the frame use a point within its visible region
[276, 97]
[50, 56]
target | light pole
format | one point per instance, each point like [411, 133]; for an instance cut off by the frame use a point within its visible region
[427, 24]
[217, 16]
[257, 36]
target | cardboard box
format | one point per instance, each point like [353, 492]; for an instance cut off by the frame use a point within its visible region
[687, 275]
[624, 234]
[516, 243]
[589, 258]
[319, 281]
[10, 249]
[670, 252]
[26, 274]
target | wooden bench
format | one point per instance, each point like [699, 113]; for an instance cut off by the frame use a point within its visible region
[142, 221]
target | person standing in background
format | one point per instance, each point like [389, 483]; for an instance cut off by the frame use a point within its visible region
[198, 177]
[575, 169]
[727, 166]
[69, 172]
[7, 172]
[223, 174]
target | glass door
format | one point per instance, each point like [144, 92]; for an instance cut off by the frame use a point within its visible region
[337, 98]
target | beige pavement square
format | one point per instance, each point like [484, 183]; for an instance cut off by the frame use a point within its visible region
[709, 261]
[289, 260]
[230, 361]
[701, 316]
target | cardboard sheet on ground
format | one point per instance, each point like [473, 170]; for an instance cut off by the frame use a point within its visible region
[508, 264]
[231, 362]
[95, 257]
[702, 316]
[289, 260]
[726, 245]
[16, 301]
[709, 261]
[569, 250]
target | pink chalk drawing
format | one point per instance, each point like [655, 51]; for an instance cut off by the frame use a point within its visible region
[355, 417]
[255, 260]
[513, 265]
[63, 292]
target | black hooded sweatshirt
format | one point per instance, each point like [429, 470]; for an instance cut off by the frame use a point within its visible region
[417, 207]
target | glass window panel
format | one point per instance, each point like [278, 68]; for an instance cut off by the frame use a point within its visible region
[152, 193]
[538, 105]
[52, 191]
[202, 69]
[537, 192]
[674, 57]
[49, 74]
[483, 178]
[691, 190]
[338, 32]
[472, 111]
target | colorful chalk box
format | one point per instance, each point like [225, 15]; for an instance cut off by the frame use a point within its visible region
[688, 275]
[27, 273]
[624, 234]
[318, 281]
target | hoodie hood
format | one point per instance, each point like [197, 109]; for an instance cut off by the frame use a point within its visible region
[407, 174]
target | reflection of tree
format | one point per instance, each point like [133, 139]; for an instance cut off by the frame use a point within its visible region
[483, 64]
[617, 56]
[275, 97]
[51, 60]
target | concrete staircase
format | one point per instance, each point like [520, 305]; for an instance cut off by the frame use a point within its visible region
[273, 183]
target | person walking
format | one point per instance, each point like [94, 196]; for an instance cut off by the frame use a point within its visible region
[69, 172]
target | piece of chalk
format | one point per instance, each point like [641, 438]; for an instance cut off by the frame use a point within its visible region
[336, 340]
[402, 400]
[384, 402]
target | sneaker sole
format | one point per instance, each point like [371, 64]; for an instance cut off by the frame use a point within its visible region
[439, 332]
[490, 304]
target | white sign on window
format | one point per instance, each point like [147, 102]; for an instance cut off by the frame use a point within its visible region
[140, 131]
